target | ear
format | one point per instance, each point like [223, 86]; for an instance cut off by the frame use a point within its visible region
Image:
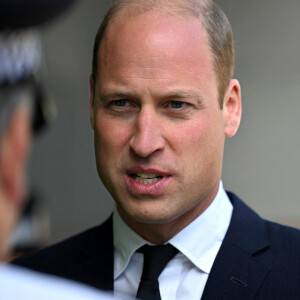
[14, 151]
[92, 91]
[232, 108]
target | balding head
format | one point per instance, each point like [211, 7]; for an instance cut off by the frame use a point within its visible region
[207, 12]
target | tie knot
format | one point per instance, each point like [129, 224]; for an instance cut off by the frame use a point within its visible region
[155, 260]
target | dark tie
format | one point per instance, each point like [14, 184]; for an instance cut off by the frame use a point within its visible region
[155, 260]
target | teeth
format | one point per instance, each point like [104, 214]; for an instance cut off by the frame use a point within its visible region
[146, 178]
[144, 175]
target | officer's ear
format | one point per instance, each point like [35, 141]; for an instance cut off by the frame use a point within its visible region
[92, 87]
[232, 108]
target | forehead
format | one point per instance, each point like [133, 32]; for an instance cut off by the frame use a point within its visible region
[155, 45]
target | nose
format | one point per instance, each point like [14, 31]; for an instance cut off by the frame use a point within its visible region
[147, 137]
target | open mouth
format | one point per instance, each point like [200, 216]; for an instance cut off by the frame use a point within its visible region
[146, 178]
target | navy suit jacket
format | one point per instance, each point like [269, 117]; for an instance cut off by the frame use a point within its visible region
[258, 259]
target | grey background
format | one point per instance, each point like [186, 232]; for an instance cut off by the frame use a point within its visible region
[261, 162]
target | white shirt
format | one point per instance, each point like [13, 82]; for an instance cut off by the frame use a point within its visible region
[186, 274]
[18, 283]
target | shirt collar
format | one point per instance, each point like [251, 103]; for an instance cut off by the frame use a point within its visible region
[210, 228]
[126, 242]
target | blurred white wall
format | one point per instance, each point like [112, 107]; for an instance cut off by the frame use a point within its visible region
[261, 162]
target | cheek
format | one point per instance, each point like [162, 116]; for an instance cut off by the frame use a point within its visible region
[191, 138]
[200, 145]
[110, 136]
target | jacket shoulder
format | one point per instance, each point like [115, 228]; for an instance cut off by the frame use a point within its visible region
[258, 259]
[284, 237]
[247, 225]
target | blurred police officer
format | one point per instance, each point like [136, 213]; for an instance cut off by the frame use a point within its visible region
[23, 111]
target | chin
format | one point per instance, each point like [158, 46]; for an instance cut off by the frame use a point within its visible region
[154, 216]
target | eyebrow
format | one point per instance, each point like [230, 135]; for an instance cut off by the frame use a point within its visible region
[185, 94]
[117, 94]
[179, 94]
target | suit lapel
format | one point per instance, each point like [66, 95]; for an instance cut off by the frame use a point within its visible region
[244, 258]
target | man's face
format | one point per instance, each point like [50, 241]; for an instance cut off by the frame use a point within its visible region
[159, 131]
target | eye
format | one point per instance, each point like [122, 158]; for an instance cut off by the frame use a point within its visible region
[121, 106]
[120, 102]
[179, 108]
[176, 104]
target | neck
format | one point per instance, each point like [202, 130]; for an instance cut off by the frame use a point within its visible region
[160, 233]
